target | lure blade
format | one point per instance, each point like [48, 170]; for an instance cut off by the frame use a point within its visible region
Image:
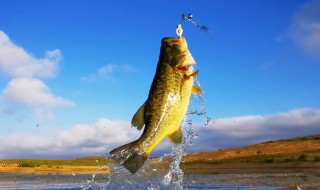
[204, 28]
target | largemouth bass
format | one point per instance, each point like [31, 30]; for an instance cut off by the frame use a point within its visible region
[166, 106]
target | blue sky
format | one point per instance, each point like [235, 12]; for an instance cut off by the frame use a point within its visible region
[73, 73]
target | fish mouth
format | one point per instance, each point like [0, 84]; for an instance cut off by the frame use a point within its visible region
[184, 68]
[184, 62]
[176, 50]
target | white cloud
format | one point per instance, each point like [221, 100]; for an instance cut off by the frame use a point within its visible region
[25, 87]
[105, 72]
[305, 30]
[16, 62]
[79, 140]
[43, 114]
[32, 92]
[246, 130]
[104, 135]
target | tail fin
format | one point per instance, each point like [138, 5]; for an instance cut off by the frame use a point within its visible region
[129, 156]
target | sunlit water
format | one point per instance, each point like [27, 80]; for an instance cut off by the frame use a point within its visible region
[191, 182]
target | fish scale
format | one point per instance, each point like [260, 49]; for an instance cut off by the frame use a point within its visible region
[171, 112]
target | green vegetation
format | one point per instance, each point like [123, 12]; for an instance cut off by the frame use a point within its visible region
[287, 160]
[28, 164]
[268, 160]
[302, 158]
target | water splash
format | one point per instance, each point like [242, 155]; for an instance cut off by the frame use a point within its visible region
[103, 172]
[156, 173]
[175, 175]
[201, 110]
[196, 108]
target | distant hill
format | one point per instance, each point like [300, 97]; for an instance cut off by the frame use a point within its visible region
[300, 149]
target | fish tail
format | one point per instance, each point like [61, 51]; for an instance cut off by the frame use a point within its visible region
[129, 156]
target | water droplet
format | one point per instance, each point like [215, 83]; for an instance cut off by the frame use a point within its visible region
[152, 187]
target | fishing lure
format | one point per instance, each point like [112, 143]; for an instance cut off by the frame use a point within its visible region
[188, 17]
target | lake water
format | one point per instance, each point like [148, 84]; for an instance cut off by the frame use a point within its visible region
[278, 181]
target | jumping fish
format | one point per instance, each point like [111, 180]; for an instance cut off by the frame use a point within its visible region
[166, 106]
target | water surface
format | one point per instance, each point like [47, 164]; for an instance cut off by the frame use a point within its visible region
[270, 181]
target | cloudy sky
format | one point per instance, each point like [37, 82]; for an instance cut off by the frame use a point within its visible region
[73, 73]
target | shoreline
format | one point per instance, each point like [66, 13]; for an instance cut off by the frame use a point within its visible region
[303, 174]
[252, 168]
[199, 168]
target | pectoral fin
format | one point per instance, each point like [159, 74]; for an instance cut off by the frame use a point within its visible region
[176, 137]
[196, 90]
[138, 118]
